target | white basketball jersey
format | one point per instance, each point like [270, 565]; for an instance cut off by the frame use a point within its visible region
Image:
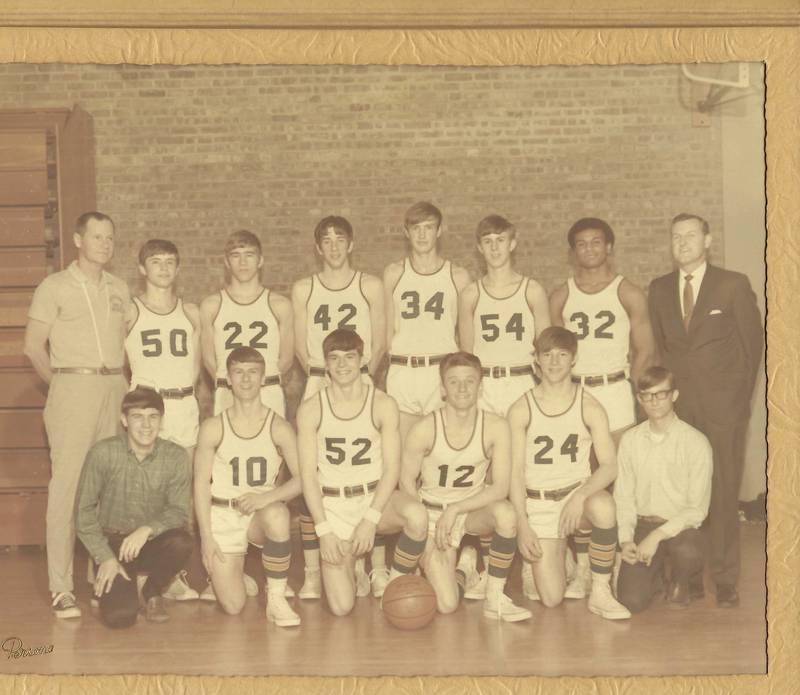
[349, 450]
[602, 326]
[244, 464]
[504, 329]
[327, 310]
[253, 325]
[160, 348]
[556, 446]
[450, 474]
[425, 312]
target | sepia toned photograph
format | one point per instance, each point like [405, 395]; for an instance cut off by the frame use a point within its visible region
[557, 279]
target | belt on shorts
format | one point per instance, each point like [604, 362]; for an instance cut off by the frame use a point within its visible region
[553, 495]
[652, 519]
[500, 372]
[350, 490]
[268, 381]
[176, 393]
[600, 379]
[432, 505]
[416, 360]
[224, 502]
[320, 371]
[104, 371]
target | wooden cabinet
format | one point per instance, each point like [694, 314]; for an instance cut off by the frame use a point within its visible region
[47, 180]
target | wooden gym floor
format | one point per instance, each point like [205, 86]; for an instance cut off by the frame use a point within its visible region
[567, 640]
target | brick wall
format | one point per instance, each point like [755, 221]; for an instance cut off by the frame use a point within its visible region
[192, 153]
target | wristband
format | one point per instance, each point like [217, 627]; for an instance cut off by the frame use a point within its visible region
[322, 529]
[372, 515]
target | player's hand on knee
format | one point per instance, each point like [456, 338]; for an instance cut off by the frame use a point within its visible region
[528, 543]
[251, 502]
[106, 574]
[629, 553]
[330, 549]
[444, 528]
[363, 537]
[133, 543]
[571, 516]
[209, 552]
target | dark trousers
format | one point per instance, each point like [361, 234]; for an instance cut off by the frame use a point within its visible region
[161, 558]
[727, 443]
[638, 584]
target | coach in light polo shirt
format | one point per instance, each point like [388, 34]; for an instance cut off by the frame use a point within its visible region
[74, 339]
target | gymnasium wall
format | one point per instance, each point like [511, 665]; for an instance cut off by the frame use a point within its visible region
[192, 153]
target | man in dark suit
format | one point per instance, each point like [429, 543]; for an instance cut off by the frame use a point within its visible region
[708, 329]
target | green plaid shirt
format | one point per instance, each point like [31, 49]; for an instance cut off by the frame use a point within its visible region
[117, 493]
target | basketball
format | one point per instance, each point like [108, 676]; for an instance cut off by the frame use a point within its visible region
[409, 602]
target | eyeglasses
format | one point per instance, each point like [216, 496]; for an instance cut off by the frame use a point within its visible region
[647, 396]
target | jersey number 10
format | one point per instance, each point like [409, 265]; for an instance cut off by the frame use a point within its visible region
[256, 470]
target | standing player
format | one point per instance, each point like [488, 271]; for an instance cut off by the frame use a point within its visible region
[553, 426]
[163, 349]
[451, 450]
[349, 447]
[246, 314]
[609, 316]
[238, 456]
[74, 340]
[337, 297]
[421, 313]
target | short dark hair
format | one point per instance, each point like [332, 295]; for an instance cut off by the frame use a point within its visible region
[339, 224]
[142, 397]
[460, 359]
[343, 339]
[653, 376]
[244, 354]
[242, 238]
[494, 224]
[685, 216]
[556, 337]
[155, 247]
[83, 221]
[419, 212]
[590, 223]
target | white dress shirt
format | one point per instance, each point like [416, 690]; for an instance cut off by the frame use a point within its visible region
[665, 474]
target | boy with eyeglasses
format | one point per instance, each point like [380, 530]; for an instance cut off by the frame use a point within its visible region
[662, 494]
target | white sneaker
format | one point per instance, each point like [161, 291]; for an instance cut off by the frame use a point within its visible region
[528, 584]
[581, 584]
[602, 603]
[312, 584]
[64, 605]
[179, 589]
[501, 607]
[280, 612]
[289, 593]
[468, 564]
[378, 579]
[363, 587]
[477, 591]
[250, 586]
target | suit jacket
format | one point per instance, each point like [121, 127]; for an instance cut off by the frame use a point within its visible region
[716, 361]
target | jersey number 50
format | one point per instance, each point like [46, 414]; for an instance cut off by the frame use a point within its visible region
[152, 347]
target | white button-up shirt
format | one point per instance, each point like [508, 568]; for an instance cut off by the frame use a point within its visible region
[665, 474]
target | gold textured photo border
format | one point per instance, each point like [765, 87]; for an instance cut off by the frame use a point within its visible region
[776, 46]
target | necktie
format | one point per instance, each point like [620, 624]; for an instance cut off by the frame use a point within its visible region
[688, 301]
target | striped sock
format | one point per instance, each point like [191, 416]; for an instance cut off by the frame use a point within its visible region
[378, 555]
[582, 539]
[486, 544]
[461, 580]
[308, 537]
[602, 549]
[501, 554]
[407, 553]
[275, 557]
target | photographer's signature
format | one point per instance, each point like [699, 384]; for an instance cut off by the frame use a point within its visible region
[16, 649]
